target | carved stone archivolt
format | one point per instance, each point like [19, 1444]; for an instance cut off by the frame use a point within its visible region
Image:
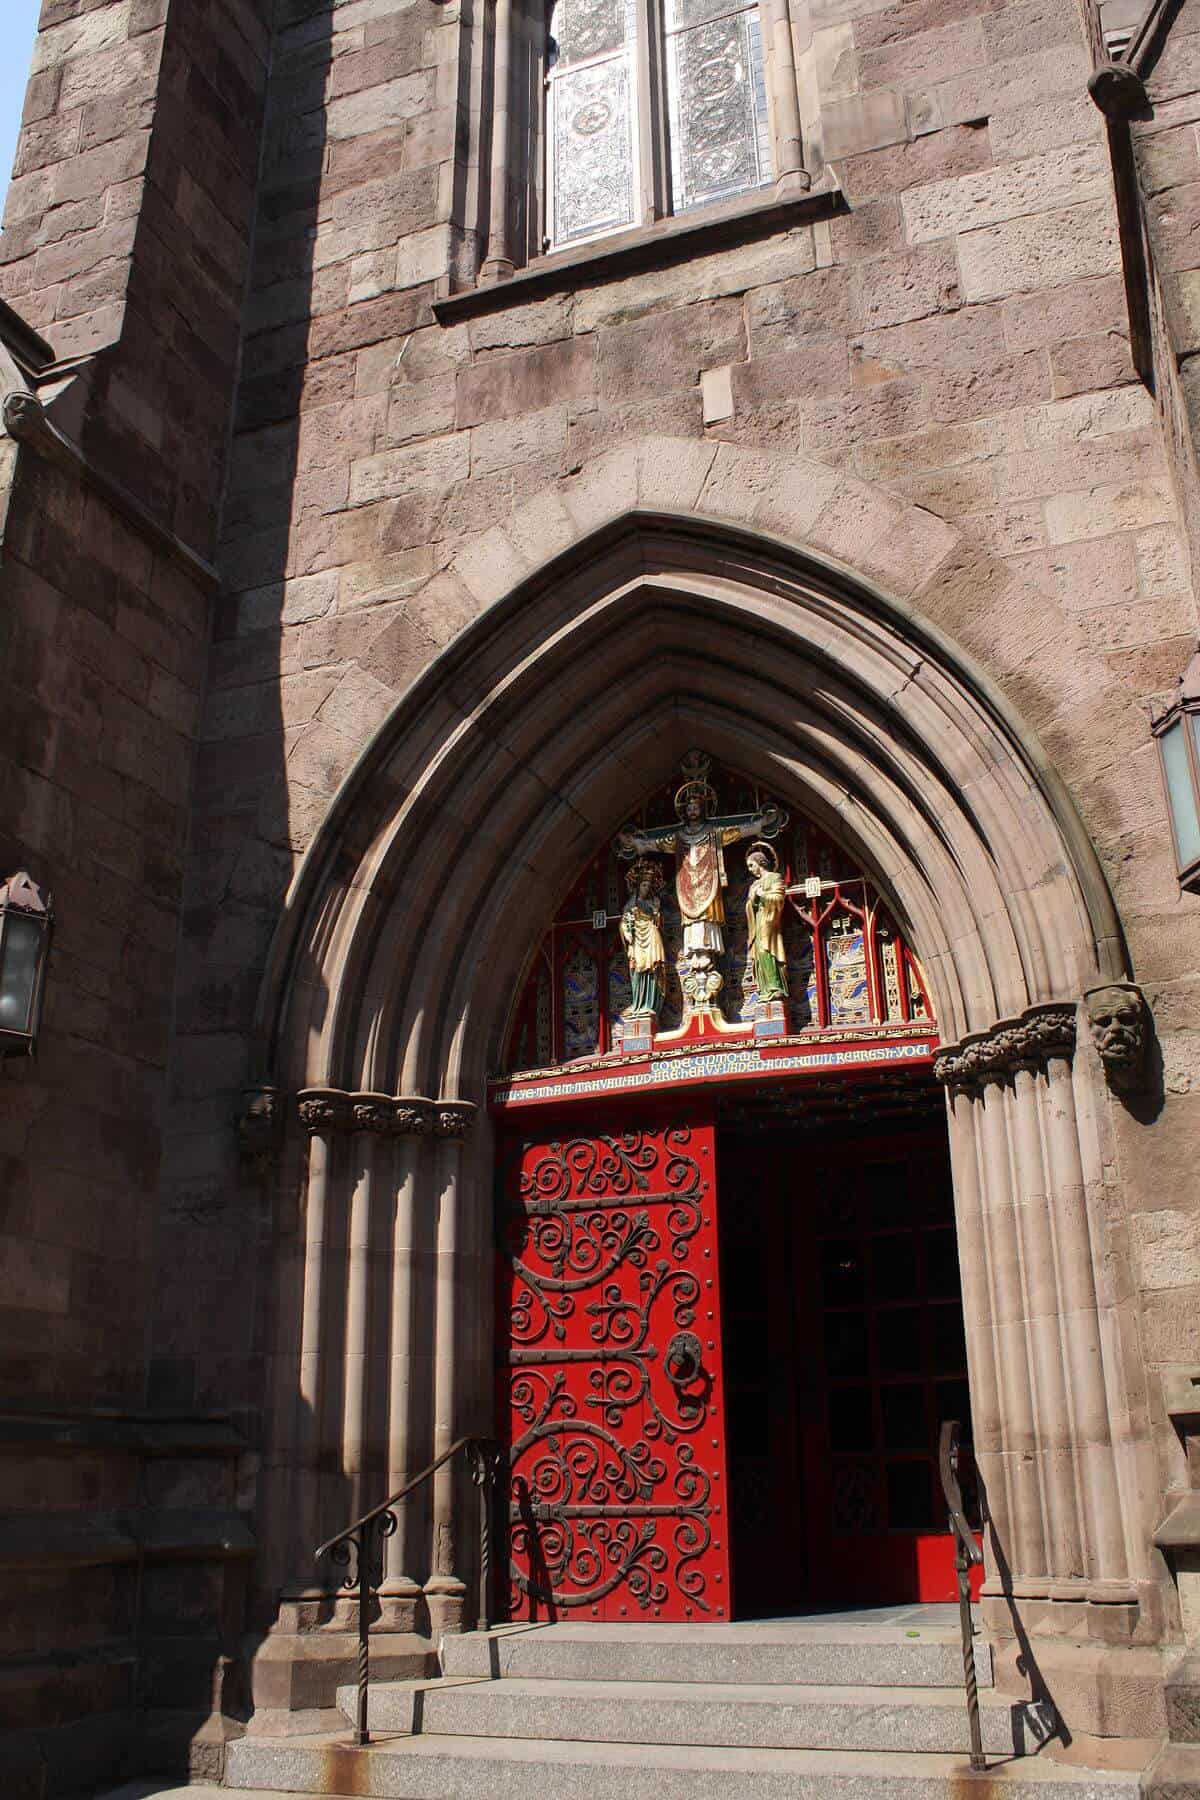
[1028, 1042]
[385, 1115]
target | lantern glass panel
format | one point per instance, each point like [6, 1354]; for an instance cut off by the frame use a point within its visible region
[20, 947]
[1181, 793]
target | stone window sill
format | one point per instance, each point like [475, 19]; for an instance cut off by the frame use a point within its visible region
[650, 247]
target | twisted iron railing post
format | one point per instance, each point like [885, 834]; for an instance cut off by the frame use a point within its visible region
[361, 1733]
[967, 1554]
[485, 1460]
[351, 1549]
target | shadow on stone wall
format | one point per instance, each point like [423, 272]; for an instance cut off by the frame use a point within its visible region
[222, 1224]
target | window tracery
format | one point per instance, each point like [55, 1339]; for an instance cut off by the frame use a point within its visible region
[609, 114]
[848, 964]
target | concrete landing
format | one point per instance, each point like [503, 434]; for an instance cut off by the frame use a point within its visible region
[904, 1647]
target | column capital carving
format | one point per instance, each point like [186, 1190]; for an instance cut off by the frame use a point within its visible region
[323, 1109]
[1026, 1042]
[388, 1115]
[454, 1118]
[412, 1115]
[372, 1112]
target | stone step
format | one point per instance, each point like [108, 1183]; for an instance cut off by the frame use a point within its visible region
[738, 1715]
[791, 1652]
[439, 1768]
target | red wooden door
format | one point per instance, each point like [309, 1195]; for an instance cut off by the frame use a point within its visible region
[610, 1374]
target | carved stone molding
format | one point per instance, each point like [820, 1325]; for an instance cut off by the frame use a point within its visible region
[386, 1115]
[453, 1118]
[1030, 1041]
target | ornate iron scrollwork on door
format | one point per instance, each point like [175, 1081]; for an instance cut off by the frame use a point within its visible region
[607, 1245]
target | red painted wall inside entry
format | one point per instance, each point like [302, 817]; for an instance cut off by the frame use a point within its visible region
[610, 1375]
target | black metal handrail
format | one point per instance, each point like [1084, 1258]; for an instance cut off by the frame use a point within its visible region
[967, 1555]
[350, 1549]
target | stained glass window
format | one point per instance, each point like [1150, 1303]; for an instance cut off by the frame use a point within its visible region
[592, 117]
[605, 111]
[720, 142]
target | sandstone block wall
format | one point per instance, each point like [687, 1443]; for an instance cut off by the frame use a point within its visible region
[127, 227]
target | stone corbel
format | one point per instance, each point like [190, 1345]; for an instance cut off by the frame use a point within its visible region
[1120, 1020]
[1041, 1032]
[26, 420]
[259, 1128]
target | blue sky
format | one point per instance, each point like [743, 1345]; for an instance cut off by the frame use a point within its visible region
[18, 22]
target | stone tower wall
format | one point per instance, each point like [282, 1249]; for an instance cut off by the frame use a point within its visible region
[126, 245]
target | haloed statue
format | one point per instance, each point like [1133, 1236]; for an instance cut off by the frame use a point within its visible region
[765, 950]
[641, 934]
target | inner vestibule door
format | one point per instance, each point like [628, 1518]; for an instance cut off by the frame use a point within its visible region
[844, 1352]
[610, 1374]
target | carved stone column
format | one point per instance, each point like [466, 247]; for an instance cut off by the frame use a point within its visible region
[1051, 1400]
[400, 1596]
[790, 173]
[370, 1117]
[324, 1113]
[1037, 1374]
[498, 264]
[445, 1588]
[1106, 1564]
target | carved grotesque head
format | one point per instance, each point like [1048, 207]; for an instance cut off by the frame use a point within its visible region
[1120, 1029]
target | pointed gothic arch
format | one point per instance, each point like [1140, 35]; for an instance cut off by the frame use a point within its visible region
[684, 594]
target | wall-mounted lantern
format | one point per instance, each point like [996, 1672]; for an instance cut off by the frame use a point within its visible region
[25, 920]
[1178, 735]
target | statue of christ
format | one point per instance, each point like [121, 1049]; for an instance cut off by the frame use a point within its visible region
[698, 839]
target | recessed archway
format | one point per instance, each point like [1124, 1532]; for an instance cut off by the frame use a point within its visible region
[581, 684]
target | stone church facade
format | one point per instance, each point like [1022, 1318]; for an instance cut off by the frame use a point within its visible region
[425, 425]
